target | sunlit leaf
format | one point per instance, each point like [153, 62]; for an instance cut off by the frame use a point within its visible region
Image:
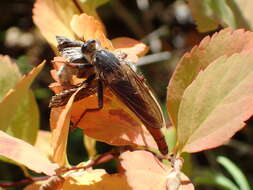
[25, 119]
[43, 142]
[131, 47]
[226, 42]
[114, 124]
[89, 6]
[90, 145]
[89, 180]
[60, 129]
[216, 104]
[87, 27]
[95, 180]
[9, 75]
[53, 18]
[144, 171]
[20, 116]
[243, 12]
[170, 136]
[210, 14]
[25, 154]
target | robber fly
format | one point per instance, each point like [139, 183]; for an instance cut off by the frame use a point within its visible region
[116, 74]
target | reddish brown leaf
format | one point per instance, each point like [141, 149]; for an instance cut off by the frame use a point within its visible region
[226, 42]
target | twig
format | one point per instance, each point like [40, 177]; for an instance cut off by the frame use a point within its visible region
[78, 6]
[98, 160]
[157, 57]
[22, 182]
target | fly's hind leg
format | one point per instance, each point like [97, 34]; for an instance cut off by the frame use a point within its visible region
[100, 95]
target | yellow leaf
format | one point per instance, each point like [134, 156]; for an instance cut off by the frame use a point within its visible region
[53, 18]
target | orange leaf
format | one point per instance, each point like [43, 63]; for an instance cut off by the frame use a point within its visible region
[60, 129]
[226, 42]
[87, 27]
[24, 153]
[131, 47]
[114, 124]
[53, 18]
[144, 171]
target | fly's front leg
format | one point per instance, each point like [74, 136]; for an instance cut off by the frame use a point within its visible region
[100, 96]
[80, 65]
[82, 69]
[67, 70]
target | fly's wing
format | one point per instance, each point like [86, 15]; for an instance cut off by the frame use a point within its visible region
[71, 49]
[133, 91]
[64, 42]
[125, 83]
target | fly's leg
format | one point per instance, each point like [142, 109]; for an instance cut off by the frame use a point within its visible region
[67, 70]
[82, 69]
[80, 65]
[62, 98]
[100, 96]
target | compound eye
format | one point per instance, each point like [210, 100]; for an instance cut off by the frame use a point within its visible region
[85, 48]
[89, 46]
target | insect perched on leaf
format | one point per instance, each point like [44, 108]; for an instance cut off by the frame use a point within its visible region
[113, 72]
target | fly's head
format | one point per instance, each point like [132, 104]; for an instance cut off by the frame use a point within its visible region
[89, 48]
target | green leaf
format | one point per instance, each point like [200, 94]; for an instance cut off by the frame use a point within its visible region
[89, 6]
[25, 123]
[207, 177]
[20, 116]
[226, 42]
[93, 4]
[170, 136]
[235, 172]
[216, 104]
[210, 14]
[9, 75]
[23, 64]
